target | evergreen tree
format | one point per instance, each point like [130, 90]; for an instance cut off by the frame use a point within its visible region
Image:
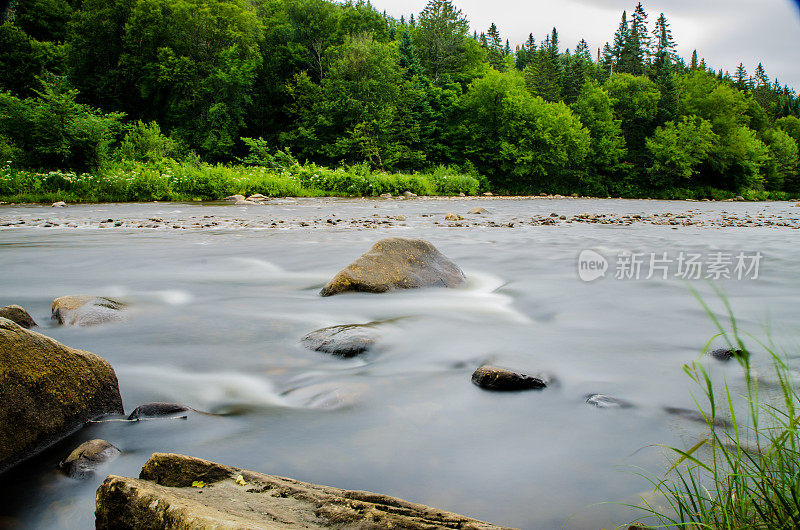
[694, 64]
[408, 59]
[495, 46]
[761, 78]
[440, 38]
[639, 28]
[740, 77]
[620, 40]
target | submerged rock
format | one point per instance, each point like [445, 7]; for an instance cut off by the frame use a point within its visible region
[452, 217]
[18, 315]
[157, 409]
[602, 401]
[234, 198]
[696, 416]
[725, 354]
[477, 210]
[345, 341]
[86, 310]
[494, 378]
[228, 497]
[47, 391]
[396, 263]
[84, 460]
[257, 197]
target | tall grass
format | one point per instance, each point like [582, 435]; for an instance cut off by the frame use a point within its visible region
[745, 473]
[168, 180]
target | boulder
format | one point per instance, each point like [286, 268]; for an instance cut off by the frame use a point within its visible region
[409, 195]
[243, 203]
[234, 198]
[602, 401]
[477, 210]
[488, 194]
[257, 197]
[59, 204]
[17, 314]
[494, 378]
[452, 217]
[47, 391]
[345, 341]
[396, 263]
[86, 310]
[157, 410]
[181, 492]
[84, 460]
[385, 195]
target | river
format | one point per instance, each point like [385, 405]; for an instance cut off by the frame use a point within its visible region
[218, 311]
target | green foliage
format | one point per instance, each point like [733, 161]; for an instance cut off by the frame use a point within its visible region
[678, 151]
[520, 140]
[52, 130]
[144, 143]
[440, 38]
[260, 155]
[782, 167]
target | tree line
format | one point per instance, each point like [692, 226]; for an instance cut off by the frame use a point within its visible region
[84, 81]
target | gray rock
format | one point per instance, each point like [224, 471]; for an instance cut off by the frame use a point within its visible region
[494, 378]
[725, 354]
[257, 197]
[396, 263]
[230, 498]
[84, 460]
[477, 210]
[409, 195]
[607, 402]
[345, 341]
[17, 314]
[85, 310]
[47, 391]
[157, 409]
[234, 198]
[59, 204]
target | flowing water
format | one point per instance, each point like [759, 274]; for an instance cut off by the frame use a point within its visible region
[217, 314]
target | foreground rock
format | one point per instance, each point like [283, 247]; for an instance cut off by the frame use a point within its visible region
[157, 410]
[86, 310]
[396, 263]
[494, 378]
[18, 315]
[47, 391]
[163, 497]
[85, 459]
[345, 341]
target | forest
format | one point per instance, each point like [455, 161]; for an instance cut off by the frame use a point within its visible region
[182, 99]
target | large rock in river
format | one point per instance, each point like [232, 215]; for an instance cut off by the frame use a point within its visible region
[47, 391]
[396, 263]
[181, 492]
[86, 310]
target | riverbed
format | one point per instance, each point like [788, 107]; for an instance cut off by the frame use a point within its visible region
[220, 296]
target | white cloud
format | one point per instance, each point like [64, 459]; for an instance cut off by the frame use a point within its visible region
[724, 32]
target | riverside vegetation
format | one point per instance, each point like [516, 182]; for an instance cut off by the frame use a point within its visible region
[198, 99]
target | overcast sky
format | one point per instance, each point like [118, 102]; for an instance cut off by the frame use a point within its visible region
[725, 32]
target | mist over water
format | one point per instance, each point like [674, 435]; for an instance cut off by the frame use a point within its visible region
[217, 316]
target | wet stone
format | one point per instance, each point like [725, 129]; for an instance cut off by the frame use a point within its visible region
[602, 401]
[157, 409]
[345, 341]
[501, 379]
[84, 460]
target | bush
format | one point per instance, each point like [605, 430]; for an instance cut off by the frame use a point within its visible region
[144, 143]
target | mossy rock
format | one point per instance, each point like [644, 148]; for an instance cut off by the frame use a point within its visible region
[84, 310]
[17, 314]
[47, 391]
[84, 460]
[501, 379]
[396, 263]
[181, 492]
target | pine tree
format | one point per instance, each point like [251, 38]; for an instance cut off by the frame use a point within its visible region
[620, 38]
[495, 47]
[664, 49]
[507, 50]
[607, 59]
[543, 76]
[761, 78]
[639, 27]
[408, 59]
[694, 65]
[582, 51]
[740, 77]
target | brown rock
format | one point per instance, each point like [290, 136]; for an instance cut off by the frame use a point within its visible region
[396, 263]
[163, 498]
[47, 391]
[84, 460]
[17, 314]
[494, 378]
[85, 310]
